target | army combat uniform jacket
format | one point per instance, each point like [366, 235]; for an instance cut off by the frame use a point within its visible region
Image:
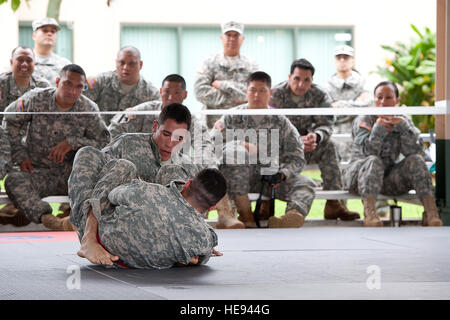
[105, 90]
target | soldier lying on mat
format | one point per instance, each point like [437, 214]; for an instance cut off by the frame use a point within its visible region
[132, 223]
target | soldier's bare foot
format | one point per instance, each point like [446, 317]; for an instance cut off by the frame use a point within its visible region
[94, 252]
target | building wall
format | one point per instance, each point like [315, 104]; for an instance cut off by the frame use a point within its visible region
[96, 27]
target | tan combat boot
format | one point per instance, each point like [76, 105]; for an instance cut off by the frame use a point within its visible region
[431, 215]
[55, 223]
[227, 220]
[291, 219]
[370, 213]
[335, 209]
[245, 210]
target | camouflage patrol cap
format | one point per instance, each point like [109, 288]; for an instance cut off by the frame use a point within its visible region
[232, 26]
[45, 22]
[344, 49]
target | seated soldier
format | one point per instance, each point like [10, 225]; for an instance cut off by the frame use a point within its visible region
[173, 90]
[46, 157]
[128, 222]
[378, 141]
[300, 92]
[147, 151]
[287, 156]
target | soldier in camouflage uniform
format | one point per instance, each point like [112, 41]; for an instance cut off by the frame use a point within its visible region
[128, 222]
[374, 167]
[221, 80]
[173, 90]
[14, 84]
[148, 152]
[122, 88]
[48, 64]
[300, 92]
[347, 90]
[45, 159]
[20, 79]
[245, 177]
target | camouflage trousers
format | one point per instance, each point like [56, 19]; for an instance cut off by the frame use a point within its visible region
[5, 154]
[369, 177]
[93, 176]
[298, 191]
[27, 189]
[326, 156]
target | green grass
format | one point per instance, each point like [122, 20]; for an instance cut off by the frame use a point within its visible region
[408, 210]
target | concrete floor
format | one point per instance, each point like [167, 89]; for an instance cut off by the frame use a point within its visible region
[258, 264]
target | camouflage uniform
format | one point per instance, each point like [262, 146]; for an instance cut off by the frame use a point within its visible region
[325, 153]
[135, 123]
[233, 73]
[48, 67]
[147, 225]
[43, 133]
[136, 148]
[297, 190]
[345, 93]
[10, 91]
[105, 90]
[374, 167]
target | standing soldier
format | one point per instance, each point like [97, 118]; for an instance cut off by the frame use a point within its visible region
[14, 84]
[122, 88]
[300, 92]
[46, 157]
[243, 178]
[221, 81]
[48, 64]
[377, 143]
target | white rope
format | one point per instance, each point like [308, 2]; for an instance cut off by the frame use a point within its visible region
[441, 109]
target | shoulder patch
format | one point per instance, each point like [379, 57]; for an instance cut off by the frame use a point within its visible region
[219, 125]
[365, 125]
[19, 106]
[91, 83]
[272, 104]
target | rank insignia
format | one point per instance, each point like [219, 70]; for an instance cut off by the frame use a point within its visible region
[365, 125]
